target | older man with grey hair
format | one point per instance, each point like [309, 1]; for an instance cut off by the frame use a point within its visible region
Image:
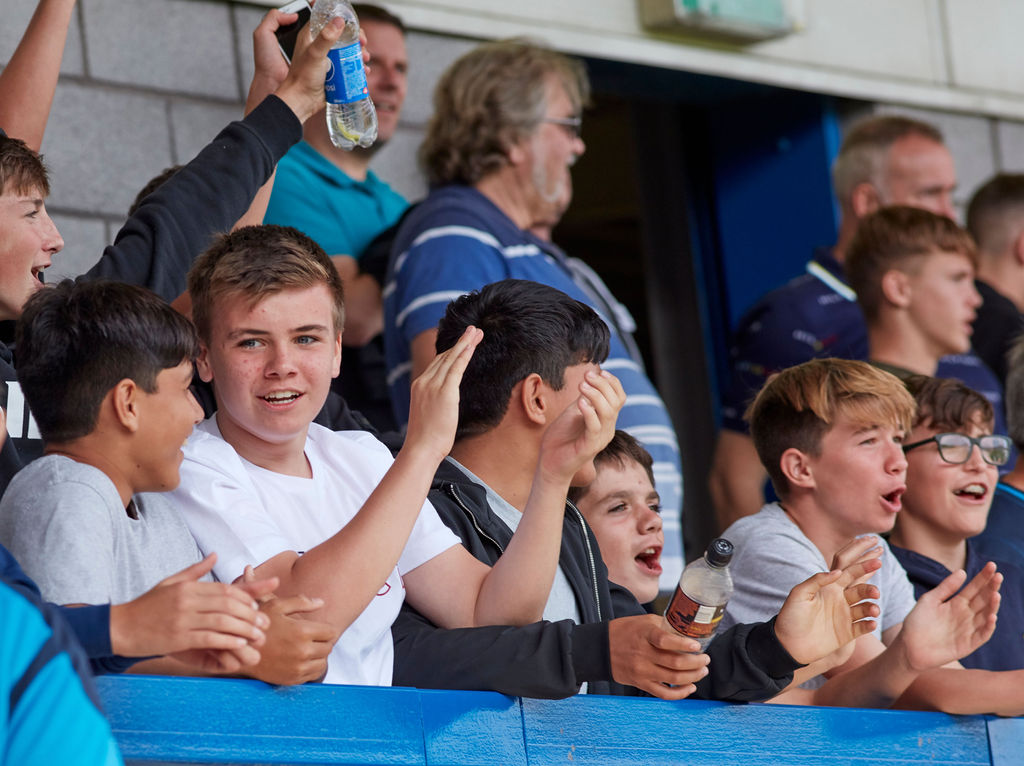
[505, 132]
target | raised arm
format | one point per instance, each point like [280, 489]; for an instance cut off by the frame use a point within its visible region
[347, 569]
[157, 245]
[456, 590]
[28, 82]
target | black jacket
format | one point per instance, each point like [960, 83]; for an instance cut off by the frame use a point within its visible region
[552, 659]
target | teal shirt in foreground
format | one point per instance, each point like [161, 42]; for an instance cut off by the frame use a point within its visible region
[343, 215]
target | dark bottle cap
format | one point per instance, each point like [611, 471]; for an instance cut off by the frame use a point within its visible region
[719, 552]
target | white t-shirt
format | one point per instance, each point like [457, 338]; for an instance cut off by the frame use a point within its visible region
[247, 515]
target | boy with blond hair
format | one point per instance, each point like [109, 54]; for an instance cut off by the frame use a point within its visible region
[830, 434]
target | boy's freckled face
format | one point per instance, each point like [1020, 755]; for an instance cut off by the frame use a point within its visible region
[952, 499]
[271, 364]
[28, 242]
[859, 476]
[166, 421]
[622, 508]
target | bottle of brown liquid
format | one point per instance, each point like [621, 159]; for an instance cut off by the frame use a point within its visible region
[704, 589]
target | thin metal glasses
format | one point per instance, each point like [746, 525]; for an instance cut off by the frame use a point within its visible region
[573, 125]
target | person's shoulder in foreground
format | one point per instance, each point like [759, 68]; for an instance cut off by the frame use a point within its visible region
[52, 709]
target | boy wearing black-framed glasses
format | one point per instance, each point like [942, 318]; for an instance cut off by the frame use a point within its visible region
[952, 471]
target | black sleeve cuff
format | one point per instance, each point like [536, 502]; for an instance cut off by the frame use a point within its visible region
[591, 656]
[768, 652]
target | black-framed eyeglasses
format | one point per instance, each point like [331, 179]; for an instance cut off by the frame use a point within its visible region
[573, 125]
[956, 448]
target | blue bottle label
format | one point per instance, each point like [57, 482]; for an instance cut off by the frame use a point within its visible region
[346, 79]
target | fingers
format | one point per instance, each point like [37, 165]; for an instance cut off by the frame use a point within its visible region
[984, 581]
[855, 550]
[604, 391]
[673, 642]
[864, 610]
[862, 628]
[860, 572]
[945, 589]
[454, 361]
[297, 604]
[273, 20]
[257, 589]
[191, 573]
[328, 36]
[809, 588]
[857, 593]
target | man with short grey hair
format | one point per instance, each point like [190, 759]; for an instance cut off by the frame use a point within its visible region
[505, 132]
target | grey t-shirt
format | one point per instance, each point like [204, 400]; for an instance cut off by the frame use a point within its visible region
[65, 523]
[773, 555]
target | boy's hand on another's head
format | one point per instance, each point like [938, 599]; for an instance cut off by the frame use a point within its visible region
[584, 428]
[209, 624]
[828, 611]
[943, 627]
[434, 398]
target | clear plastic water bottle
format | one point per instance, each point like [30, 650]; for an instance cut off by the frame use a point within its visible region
[351, 118]
[704, 589]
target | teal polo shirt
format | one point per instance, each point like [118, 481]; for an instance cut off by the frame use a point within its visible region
[343, 215]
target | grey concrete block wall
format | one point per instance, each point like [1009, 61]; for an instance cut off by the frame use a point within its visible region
[146, 84]
[172, 45]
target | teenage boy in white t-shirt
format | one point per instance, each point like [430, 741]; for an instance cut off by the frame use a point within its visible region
[330, 513]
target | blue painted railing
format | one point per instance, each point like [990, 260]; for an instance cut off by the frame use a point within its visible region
[183, 720]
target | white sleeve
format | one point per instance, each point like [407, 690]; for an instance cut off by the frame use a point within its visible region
[430, 537]
[224, 512]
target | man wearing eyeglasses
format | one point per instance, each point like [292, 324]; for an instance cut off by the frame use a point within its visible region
[952, 471]
[497, 152]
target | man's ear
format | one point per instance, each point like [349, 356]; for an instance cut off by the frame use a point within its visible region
[515, 150]
[796, 467]
[1018, 250]
[865, 199]
[336, 361]
[203, 363]
[124, 402]
[532, 397]
[897, 288]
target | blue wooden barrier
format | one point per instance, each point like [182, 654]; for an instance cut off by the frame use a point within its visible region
[184, 720]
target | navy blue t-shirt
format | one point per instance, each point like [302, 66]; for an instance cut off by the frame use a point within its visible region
[1005, 650]
[815, 316]
[1004, 533]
